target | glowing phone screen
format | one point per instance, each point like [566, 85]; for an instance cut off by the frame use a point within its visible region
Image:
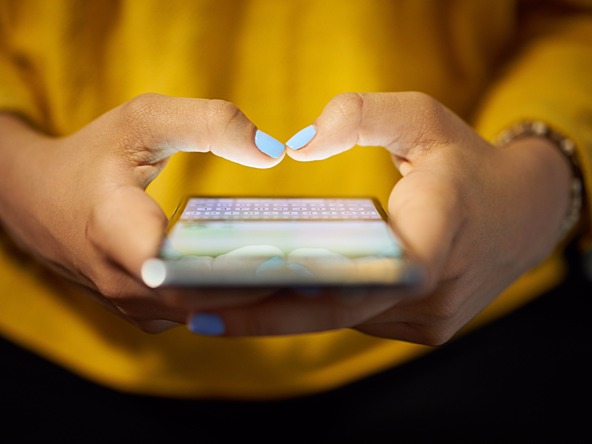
[280, 241]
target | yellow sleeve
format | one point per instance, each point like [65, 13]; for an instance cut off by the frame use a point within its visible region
[16, 94]
[548, 77]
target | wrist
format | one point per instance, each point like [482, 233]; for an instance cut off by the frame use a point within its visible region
[24, 167]
[563, 149]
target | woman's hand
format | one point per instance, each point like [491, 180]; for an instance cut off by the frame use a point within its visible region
[476, 216]
[78, 202]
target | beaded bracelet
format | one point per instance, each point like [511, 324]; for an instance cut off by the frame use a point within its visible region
[568, 149]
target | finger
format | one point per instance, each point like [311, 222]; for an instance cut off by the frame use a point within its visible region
[163, 125]
[404, 123]
[195, 299]
[149, 325]
[124, 295]
[438, 317]
[427, 213]
[127, 226]
[131, 240]
[157, 326]
[402, 331]
[293, 314]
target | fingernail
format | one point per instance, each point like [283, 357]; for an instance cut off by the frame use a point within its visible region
[268, 145]
[301, 138]
[208, 324]
[272, 264]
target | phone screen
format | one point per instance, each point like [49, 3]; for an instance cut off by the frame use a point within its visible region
[279, 241]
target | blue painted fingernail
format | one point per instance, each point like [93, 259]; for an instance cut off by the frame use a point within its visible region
[208, 324]
[268, 145]
[301, 138]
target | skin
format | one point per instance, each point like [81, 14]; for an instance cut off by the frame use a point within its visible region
[476, 216]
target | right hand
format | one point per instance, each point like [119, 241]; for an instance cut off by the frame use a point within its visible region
[476, 217]
[78, 203]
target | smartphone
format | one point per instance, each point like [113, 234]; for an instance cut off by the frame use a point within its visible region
[216, 241]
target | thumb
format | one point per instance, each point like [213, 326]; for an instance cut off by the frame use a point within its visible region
[402, 122]
[424, 206]
[127, 226]
[152, 127]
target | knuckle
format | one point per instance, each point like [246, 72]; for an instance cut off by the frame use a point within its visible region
[221, 113]
[138, 114]
[112, 288]
[439, 323]
[425, 102]
[431, 118]
[349, 104]
[429, 334]
[436, 337]
[443, 313]
[348, 111]
[434, 113]
[220, 116]
[421, 98]
[141, 107]
[221, 109]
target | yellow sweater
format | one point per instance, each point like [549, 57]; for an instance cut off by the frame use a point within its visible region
[63, 63]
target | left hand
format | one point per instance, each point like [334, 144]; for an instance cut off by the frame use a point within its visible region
[476, 216]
